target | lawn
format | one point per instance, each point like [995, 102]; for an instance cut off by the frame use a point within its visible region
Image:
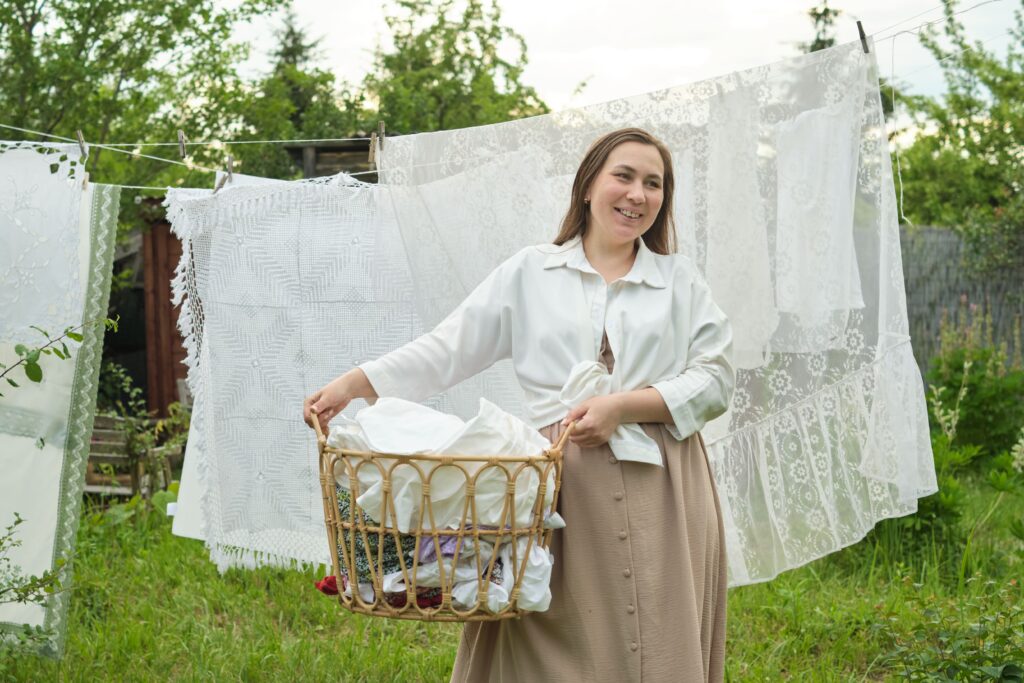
[150, 606]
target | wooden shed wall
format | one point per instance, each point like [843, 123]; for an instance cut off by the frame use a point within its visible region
[164, 351]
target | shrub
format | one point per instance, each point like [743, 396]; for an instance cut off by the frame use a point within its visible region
[977, 638]
[934, 533]
[992, 412]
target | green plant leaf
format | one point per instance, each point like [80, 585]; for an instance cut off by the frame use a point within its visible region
[12, 382]
[77, 336]
[34, 372]
[39, 329]
[160, 500]
[21, 349]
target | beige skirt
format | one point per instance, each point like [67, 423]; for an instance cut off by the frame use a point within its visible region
[639, 581]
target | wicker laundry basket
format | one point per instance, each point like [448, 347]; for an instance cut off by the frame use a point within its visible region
[362, 547]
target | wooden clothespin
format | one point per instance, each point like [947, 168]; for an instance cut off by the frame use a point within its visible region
[181, 144]
[380, 134]
[85, 155]
[373, 149]
[228, 175]
[863, 37]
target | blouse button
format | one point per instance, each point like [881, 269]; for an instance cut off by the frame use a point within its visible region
[622, 535]
[612, 459]
[633, 646]
[630, 609]
[618, 495]
[627, 573]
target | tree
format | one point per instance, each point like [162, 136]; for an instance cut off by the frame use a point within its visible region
[449, 71]
[124, 70]
[824, 19]
[965, 168]
[296, 100]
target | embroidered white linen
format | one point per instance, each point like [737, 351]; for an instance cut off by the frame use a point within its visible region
[403, 428]
[290, 284]
[56, 251]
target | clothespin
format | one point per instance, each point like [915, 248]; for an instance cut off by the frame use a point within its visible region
[81, 143]
[380, 134]
[373, 149]
[181, 144]
[863, 37]
[228, 175]
[85, 155]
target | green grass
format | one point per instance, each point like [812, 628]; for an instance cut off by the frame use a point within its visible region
[150, 606]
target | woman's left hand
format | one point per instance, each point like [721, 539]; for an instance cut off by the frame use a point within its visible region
[596, 419]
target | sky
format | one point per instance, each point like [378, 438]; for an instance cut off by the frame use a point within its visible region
[626, 48]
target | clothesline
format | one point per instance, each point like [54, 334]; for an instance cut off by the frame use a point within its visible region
[187, 164]
[116, 147]
[927, 23]
[216, 143]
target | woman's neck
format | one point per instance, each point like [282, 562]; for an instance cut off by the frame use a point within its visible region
[612, 261]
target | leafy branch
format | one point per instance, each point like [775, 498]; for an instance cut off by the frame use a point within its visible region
[28, 357]
[14, 586]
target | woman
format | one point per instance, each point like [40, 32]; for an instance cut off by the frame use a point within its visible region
[639, 581]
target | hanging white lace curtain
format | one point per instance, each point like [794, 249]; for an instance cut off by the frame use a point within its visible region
[784, 201]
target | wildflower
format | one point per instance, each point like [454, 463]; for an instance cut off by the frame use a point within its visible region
[1018, 452]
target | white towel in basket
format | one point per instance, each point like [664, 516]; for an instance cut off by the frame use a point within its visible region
[397, 426]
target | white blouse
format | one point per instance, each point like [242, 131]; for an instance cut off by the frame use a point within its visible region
[546, 308]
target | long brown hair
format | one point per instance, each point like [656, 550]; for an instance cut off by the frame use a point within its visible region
[661, 237]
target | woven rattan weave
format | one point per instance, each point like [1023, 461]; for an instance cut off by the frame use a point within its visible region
[361, 545]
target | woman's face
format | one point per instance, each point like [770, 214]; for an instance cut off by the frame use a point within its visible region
[627, 193]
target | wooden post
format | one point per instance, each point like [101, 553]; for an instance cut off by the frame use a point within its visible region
[164, 350]
[309, 162]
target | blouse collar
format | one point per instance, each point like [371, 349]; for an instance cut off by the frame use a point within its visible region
[644, 271]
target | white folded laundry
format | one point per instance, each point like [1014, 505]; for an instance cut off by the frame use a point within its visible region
[429, 575]
[457, 570]
[535, 586]
[465, 594]
[393, 425]
[365, 592]
[401, 427]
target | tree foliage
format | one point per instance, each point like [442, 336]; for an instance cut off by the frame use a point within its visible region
[448, 70]
[824, 19]
[296, 100]
[965, 169]
[123, 70]
[129, 70]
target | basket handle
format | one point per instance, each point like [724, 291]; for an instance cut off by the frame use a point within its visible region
[560, 446]
[316, 426]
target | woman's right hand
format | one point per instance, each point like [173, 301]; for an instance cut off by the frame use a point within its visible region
[335, 396]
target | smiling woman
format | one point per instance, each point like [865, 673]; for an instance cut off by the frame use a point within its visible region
[642, 361]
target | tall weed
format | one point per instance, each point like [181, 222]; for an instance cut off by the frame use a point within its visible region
[992, 411]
